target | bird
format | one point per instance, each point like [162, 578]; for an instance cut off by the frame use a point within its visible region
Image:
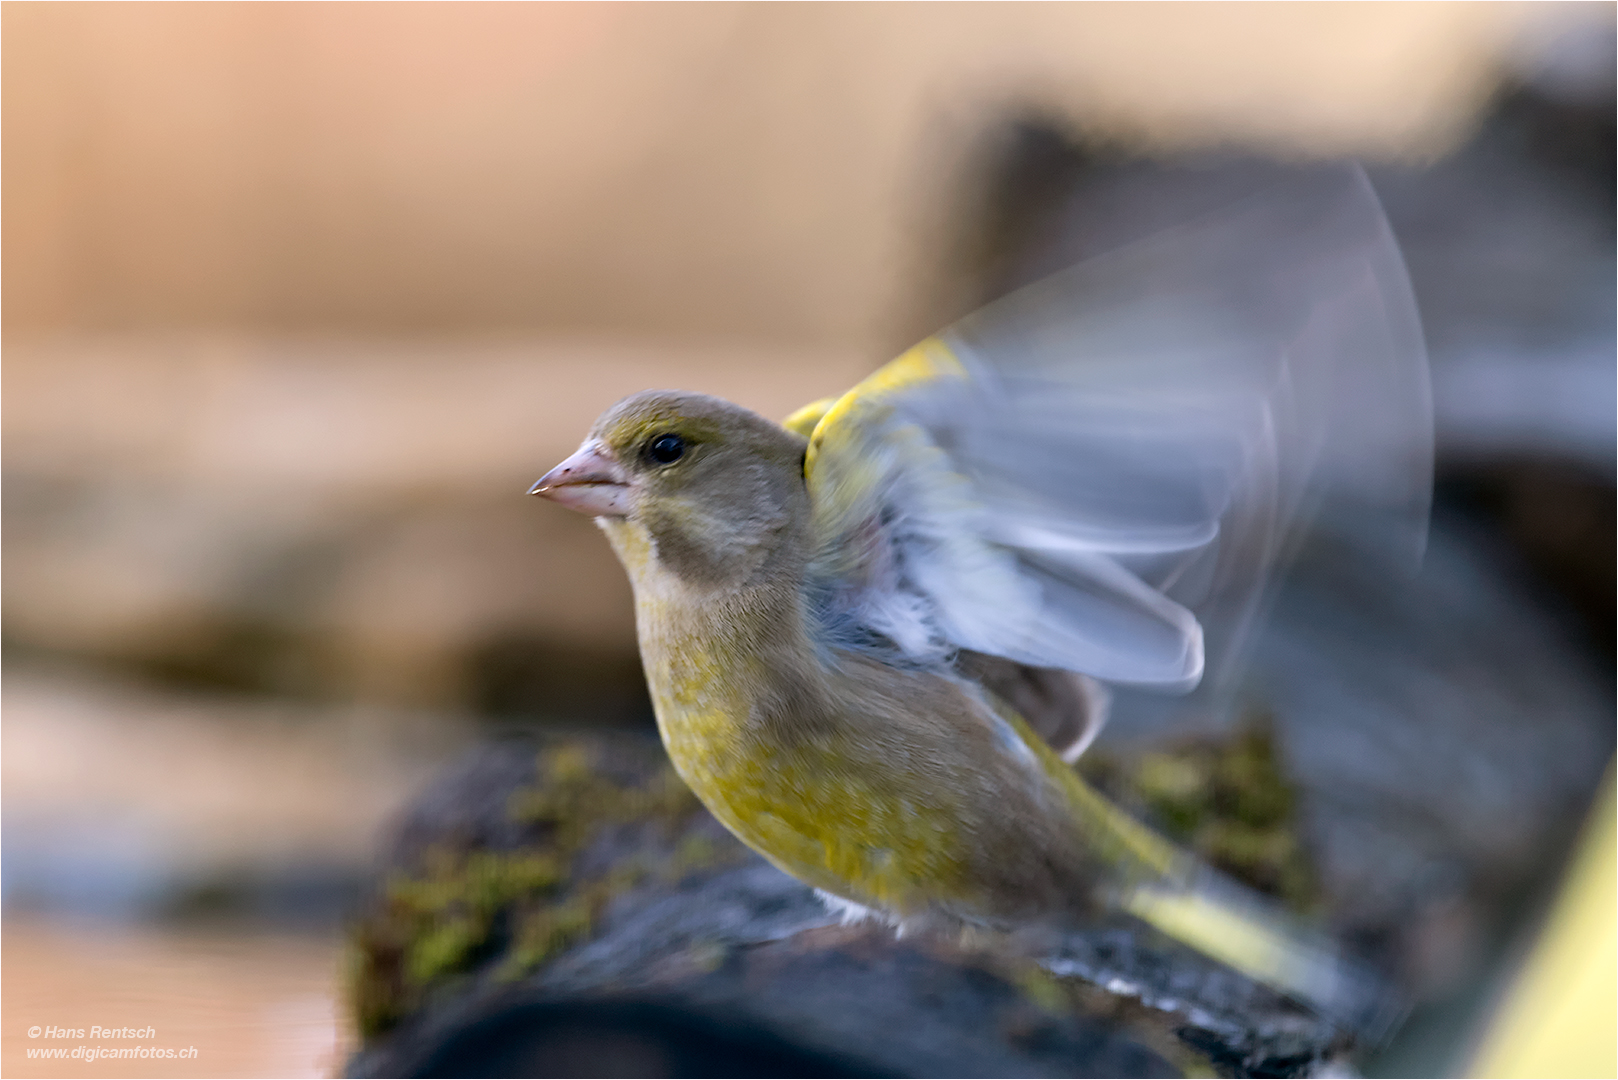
[877, 633]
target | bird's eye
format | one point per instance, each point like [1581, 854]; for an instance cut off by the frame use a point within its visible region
[666, 449]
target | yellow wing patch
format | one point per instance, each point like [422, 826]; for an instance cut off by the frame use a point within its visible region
[931, 359]
[804, 420]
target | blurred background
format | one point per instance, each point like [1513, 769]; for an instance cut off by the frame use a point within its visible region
[298, 299]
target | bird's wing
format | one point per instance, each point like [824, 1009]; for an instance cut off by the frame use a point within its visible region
[1089, 472]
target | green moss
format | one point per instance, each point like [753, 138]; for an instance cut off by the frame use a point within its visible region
[443, 947]
[1176, 788]
[1042, 989]
[545, 931]
[460, 909]
[573, 799]
[1227, 799]
[452, 909]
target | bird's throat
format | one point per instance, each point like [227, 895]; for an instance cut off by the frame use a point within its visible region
[739, 698]
[722, 664]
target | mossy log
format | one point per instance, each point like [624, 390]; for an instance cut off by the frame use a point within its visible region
[1414, 757]
[563, 906]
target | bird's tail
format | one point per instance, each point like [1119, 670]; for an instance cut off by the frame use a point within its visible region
[1230, 924]
[1178, 894]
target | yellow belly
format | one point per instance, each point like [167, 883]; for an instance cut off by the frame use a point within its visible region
[816, 811]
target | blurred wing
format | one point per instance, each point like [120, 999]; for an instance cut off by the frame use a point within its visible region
[1086, 474]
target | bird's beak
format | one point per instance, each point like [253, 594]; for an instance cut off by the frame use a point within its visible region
[591, 482]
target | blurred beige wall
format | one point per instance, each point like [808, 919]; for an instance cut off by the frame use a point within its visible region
[299, 298]
[774, 171]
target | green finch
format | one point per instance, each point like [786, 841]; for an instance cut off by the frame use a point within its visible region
[876, 635]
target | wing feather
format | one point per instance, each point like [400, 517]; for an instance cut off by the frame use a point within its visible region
[1088, 473]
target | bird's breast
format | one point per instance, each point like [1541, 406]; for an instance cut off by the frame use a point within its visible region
[804, 791]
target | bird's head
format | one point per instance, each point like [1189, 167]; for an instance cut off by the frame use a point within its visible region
[717, 489]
